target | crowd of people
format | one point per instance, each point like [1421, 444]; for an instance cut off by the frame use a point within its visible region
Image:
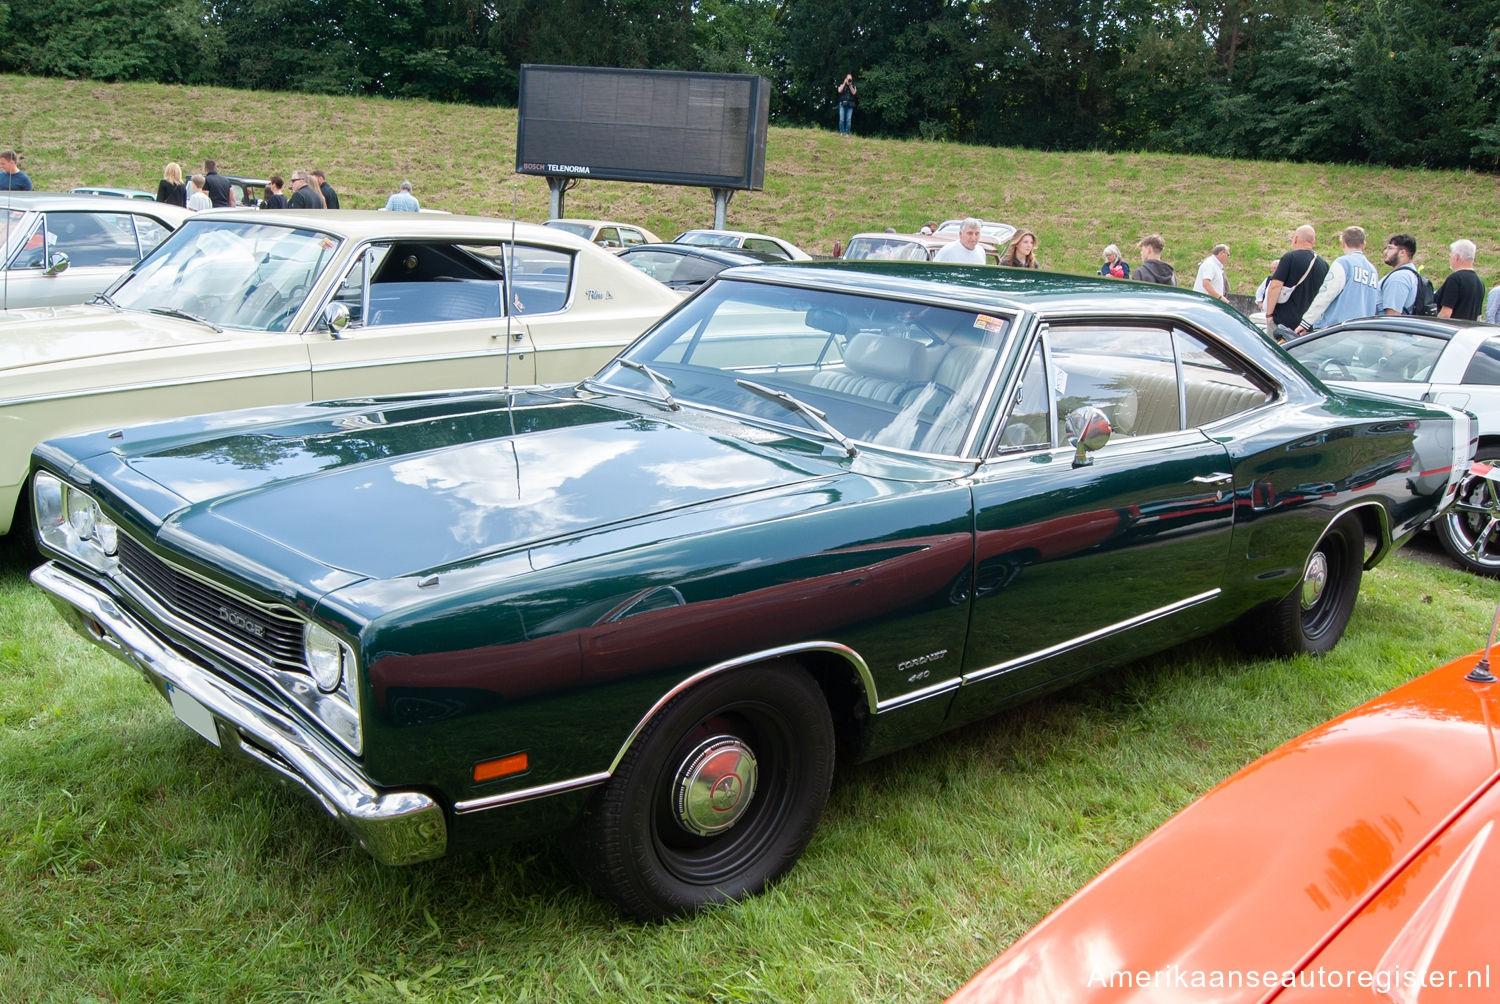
[309, 190]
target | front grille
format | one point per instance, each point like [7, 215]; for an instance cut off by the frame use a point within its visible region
[269, 635]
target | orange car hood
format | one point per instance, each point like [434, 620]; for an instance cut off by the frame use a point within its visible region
[1366, 841]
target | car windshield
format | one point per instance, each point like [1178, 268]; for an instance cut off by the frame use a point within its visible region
[230, 273]
[710, 239]
[584, 230]
[906, 376]
[1371, 356]
[885, 248]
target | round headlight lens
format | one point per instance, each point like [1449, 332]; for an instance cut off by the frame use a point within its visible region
[325, 657]
[81, 514]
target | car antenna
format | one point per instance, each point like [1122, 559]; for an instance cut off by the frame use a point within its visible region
[1481, 671]
[508, 260]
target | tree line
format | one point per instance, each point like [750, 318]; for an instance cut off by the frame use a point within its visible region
[1396, 82]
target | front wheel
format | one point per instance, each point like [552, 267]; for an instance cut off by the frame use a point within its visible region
[1470, 530]
[717, 797]
[1312, 618]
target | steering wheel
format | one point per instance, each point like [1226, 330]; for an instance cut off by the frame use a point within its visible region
[1335, 370]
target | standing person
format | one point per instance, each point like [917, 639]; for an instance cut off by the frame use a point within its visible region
[12, 178]
[170, 189]
[1297, 276]
[330, 197]
[847, 92]
[1350, 289]
[1462, 293]
[274, 198]
[1114, 265]
[1211, 278]
[220, 191]
[965, 250]
[304, 195]
[1492, 306]
[1152, 268]
[1021, 253]
[403, 201]
[1398, 290]
[198, 199]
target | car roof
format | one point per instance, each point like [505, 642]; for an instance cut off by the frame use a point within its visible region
[593, 223]
[1468, 335]
[375, 223]
[48, 201]
[118, 193]
[708, 252]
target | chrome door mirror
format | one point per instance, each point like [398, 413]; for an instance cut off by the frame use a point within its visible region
[336, 318]
[1088, 429]
[58, 265]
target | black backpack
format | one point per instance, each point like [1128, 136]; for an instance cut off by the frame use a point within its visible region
[1424, 304]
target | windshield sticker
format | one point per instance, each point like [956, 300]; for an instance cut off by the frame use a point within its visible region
[989, 323]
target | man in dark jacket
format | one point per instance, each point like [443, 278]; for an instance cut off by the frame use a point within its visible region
[305, 195]
[1152, 268]
[220, 192]
[330, 197]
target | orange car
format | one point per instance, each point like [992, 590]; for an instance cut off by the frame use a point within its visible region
[1358, 862]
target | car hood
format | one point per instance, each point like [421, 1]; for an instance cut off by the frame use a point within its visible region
[1360, 847]
[396, 488]
[37, 336]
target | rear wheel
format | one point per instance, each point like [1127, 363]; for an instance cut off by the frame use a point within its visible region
[716, 799]
[1312, 618]
[1470, 529]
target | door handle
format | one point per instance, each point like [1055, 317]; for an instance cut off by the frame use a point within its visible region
[1217, 478]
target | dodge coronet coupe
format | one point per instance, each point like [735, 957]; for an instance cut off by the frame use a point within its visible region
[819, 512]
[241, 308]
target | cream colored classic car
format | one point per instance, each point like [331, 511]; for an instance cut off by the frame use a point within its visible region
[241, 308]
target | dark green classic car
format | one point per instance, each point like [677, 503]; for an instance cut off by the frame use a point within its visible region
[819, 512]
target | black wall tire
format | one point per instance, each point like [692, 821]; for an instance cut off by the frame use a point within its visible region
[716, 799]
[1470, 530]
[1311, 619]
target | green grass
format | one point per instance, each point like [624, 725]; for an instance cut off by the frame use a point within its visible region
[818, 188]
[140, 864]
[137, 863]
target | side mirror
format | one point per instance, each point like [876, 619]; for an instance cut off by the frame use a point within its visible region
[58, 265]
[336, 318]
[1088, 429]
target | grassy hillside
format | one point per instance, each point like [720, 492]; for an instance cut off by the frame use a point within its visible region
[819, 188]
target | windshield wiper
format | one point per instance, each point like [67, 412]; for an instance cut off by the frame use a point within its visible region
[660, 382]
[174, 312]
[107, 300]
[813, 415]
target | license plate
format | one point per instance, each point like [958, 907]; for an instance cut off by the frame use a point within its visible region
[193, 714]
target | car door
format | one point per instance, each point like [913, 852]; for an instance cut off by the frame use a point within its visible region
[423, 315]
[1083, 559]
[99, 246]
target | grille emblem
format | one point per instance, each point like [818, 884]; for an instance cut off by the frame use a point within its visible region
[239, 620]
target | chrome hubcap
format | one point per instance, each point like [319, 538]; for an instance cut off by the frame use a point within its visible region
[714, 786]
[1314, 580]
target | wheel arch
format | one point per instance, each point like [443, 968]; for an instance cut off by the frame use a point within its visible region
[840, 672]
[1375, 519]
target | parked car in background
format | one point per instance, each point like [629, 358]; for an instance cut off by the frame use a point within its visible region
[1452, 362]
[907, 247]
[68, 248]
[685, 267]
[241, 307]
[1358, 862]
[818, 511]
[607, 234]
[114, 193]
[248, 192]
[997, 234]
[743, 239]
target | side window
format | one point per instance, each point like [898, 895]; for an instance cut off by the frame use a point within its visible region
[149, 233]
[422, 283]
[1128, 372]
[94, 238]
[770, 247]
[541, 279]
[607, 237]
[1215, 384]
[351, 291]
[694, 270]
[630, 238]
[1029, 423]
[1485, 366]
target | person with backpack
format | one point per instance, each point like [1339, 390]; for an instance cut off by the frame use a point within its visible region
[1404, 290]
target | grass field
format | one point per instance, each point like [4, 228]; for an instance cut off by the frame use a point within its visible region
[818, 189]
[139, 864]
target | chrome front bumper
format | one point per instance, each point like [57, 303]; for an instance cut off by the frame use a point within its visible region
[396, 827]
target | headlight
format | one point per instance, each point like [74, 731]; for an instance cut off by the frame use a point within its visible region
[71, 522]
[327, 657]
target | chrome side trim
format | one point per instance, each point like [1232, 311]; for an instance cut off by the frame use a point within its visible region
[303, 370]
[527, 794]
[1172, 608]
[852, 657]
[912, 697]
[396, 827]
